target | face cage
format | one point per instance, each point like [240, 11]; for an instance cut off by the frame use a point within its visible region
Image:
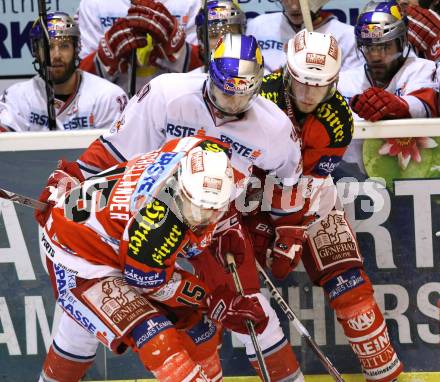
[288, 80]
[403, 48]
[220, 99]
[218, 29]
[196, 216]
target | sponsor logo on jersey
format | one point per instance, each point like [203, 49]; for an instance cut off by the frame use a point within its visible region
[241, 149]
[327, 164]
[75, 123]
[362, 321]
[64, 282]
[202, 331]
[180, 131]
[107, 21]
[213, 146]
[120, 305]
[144, 279]
[153, 175]
[155, 235]
[336, 117]
[343, 283]
[271, 44]
[149, 329]
[47, 246]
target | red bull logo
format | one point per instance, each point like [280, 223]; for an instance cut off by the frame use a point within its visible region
[218, 13]
[372, 31]
[56, 25]
[236, 85]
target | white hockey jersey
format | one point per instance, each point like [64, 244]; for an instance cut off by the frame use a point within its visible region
[273, 31]
[95, 104]
[413, 82]
[172, 106]
[95, 17]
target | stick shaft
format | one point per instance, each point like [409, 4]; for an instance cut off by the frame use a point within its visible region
[299, 326]
[50, 95]
[21, 199]
[307, 18]
[132, 74]
[249, 324]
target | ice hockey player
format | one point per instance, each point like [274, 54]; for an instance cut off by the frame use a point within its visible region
[306, 91]
[111, 261]
[423, 27]
[82, 100]
[224, 104]
[162, 32]
[394, 83]
[274, 30]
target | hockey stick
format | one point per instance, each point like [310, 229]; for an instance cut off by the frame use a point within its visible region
[307, 17]
[249, 324]
[206, 53]
[21, 199]
[298, 325]
[50, 95]
[132, 74]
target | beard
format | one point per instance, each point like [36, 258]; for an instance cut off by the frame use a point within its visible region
[64, 75]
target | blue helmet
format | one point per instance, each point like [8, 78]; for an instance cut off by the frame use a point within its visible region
[59, 25]
[380, 22]
[236, 69]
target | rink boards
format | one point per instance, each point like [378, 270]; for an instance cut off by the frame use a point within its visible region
[397, 240]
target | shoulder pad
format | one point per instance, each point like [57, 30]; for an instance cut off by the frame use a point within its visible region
[335, 115]
[272, 88]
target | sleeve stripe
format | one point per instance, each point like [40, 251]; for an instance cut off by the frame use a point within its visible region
[112, 150]
[88, 169]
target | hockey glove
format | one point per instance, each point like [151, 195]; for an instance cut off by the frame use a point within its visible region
[287, 250]
[234, 241]
[375, 104]
[261, 232]
[65, 177]
[167, 34]
[232, 310]
[424, 31]
[115, 47]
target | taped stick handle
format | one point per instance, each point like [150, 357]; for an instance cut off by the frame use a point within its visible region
[298, 325]
[249, 324]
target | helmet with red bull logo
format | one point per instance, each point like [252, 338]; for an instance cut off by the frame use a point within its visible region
[59, 25]
[60, 28]
[380, 22]
[236, 69]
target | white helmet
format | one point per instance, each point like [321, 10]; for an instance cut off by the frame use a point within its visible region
[312, 69]
[314, 58]
[205, 183]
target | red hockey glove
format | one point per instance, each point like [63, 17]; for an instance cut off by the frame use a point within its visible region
[65, 177]
[232, 310]
[115, 47]
[262, 234]
[375, 104]
[233, 241]
[424, 31]
[287, 250]
[163, 27]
